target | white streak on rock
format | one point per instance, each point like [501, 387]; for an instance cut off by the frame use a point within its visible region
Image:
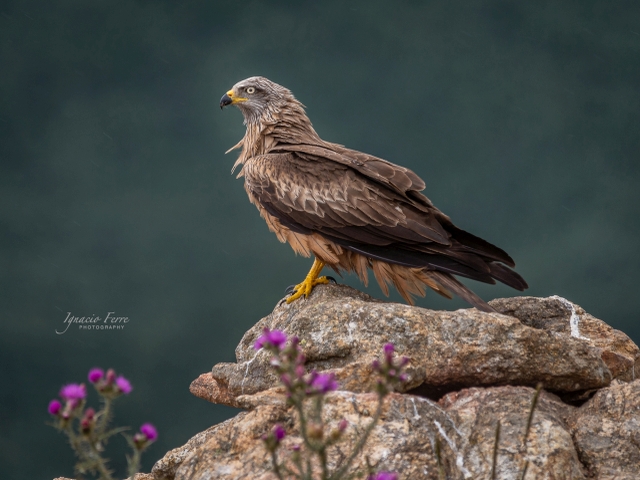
[416, 415]
[574, 321]
[452, 445]
[351, 326]
[246, 370]
[440, 409]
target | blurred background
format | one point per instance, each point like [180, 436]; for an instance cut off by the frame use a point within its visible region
[522, 118]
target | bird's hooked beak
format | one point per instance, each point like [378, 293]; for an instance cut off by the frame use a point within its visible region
[230, 98]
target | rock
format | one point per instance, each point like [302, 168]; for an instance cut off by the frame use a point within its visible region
[558, 315]
[606, 432]
[166, 467]
[549, 448]
[225, 450]
[206, 388]
[463, 423]
[343, 330]
[469, 370]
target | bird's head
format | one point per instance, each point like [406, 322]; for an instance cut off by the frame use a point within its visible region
[256, 95]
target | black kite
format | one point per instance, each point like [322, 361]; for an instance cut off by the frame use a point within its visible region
[351, 210]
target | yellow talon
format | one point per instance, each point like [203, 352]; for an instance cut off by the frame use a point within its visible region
[312, 279]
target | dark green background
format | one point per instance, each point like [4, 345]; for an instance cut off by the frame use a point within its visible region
[522, 117]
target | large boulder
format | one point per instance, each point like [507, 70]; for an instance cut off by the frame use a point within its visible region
[606, 432]
[404, 441]
[342, 330]
[469, 371]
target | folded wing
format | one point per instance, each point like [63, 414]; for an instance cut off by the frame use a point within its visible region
[371, 207]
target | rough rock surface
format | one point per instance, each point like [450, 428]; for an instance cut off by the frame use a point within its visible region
[549, 447]
[469, 370]
[558, 315]
[343, 330]
[606, 432]
[408, 427]
[404, 441]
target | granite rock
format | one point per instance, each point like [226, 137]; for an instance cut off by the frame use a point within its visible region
[549, 447]
[469, 371]
[606, 432]
[343, 330]
[462, 423]
[559, 315]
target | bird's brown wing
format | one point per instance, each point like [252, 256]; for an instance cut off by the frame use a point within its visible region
[368, 214]
[399, 178]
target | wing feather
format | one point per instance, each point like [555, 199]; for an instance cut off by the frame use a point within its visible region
[370, 214]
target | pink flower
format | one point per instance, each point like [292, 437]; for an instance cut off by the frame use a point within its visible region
[95, 375]
[323, 382]
[54, 407]
[274, 338]
[299, 370]
[111, 376]
[149, 431]
[124, 385]
[279, 432]
[73, 391]
[384, 476]
[87, 420]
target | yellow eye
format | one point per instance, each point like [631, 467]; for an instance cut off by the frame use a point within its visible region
[251, 90]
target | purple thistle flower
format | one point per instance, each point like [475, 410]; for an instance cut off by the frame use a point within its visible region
[87, 420]
[275, 338]
[95, 375]
[323, 382]
[124, 385]
[54, 407]
[279, 432]
[149, 431]
[384, 476]
[299, 371]
[73, 391]
[388, 349]
[111, 376]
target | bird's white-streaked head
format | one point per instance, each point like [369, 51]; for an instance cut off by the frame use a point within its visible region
[255, 95]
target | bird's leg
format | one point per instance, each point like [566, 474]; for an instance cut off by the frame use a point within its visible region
[312, 279]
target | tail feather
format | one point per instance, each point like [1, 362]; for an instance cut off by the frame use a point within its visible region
[507, 276]
[479, 246]
[411, 272]
[451, 283]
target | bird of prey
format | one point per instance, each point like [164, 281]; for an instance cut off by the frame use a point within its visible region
[354, 212]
